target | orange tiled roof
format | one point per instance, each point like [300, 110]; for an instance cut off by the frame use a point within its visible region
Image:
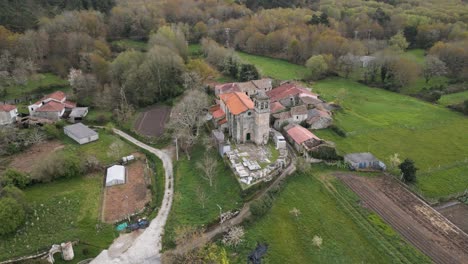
[69, 104]
[58, 95]
[276, 107]
[51, 106]
[286, 90]
[300, 134]
[237, 102]
[218, 113]
[7, 108]
[222, 121]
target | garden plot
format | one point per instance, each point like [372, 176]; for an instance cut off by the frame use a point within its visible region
[27, 160]
[129, 198]
[153, 121]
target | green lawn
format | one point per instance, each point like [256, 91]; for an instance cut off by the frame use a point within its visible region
[385, 123]
[275, 68]
[60, 211]
[127, 44]
[40, 83]
[416, 55]
[187, 210]
[350, 234]
[455, 98]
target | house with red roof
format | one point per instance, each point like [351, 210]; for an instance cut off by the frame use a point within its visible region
[8, 114]
[301, 138]
[54, 107]
[250, 88]
[290, 94]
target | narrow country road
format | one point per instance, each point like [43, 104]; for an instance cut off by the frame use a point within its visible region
[142, 246]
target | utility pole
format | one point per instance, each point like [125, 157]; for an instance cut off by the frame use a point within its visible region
[177, 149]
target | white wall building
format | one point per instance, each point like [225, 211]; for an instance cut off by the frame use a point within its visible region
[81, 133]
[115, 175]
[8, 114]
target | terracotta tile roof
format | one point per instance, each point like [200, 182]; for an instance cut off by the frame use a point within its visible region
[69, 104]
[263, 84]
[213, 108]
[51, 106]
[309, 100]
[58, 95]
[276, 107]
[222, 121]
[300, 134]
[218, 113]
[286, 90]
[7, 108]
[237, 102]
[299, 110]
[227, 88]
[282, 115]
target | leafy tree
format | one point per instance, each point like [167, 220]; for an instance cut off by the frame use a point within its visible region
[408, 170]
[324, 19]
[399, 42]
[248, 72]
[172, 37]
[433, 67]
[317, 67]
[15, 178]
[12, 215]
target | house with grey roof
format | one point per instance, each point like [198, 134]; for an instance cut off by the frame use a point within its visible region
[364, 162]
[81, 133]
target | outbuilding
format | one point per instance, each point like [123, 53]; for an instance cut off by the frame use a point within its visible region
[115, 175]
[363, 161]
[8, 114]
[81, 133]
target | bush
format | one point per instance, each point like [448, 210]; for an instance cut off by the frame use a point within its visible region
[261, 206]
[12, 215]
[14, 177]
[325, 153]
[52, 132]
[340, 132]
[58, 166]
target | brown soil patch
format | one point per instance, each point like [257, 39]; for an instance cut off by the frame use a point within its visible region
[416, 221]
[27, 160]
[129, 198]
[458, 214]
[153, 121]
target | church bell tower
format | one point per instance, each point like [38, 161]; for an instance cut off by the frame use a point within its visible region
[262, 118]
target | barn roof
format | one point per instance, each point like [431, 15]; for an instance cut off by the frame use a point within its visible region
[7, 108]
[80, 131]
[237, 102]
[360, 157]
[227, 88]
[300, 134]
[277, 107]
[286, 90]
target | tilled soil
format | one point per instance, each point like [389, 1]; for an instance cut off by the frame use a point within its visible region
[125, 199]
[458, 214]
[28, 159]
[152, 122]
[416, 221]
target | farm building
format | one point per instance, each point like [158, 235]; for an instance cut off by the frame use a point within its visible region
[53, 107]
[115, 175]
[363, 161]
[81, 133]
[220, 142]
[301, 138]
[8, 114]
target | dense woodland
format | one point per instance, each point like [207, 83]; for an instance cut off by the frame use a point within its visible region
[326, 36]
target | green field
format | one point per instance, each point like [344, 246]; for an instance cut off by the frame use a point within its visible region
[40, 83]
[416, 55]
[187, 210]
[385, 123]
[60, 211]
[350, 234]
[455, 98]
[275, 68]
[127, 44]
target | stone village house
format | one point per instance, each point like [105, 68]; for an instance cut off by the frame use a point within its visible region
[8, 114]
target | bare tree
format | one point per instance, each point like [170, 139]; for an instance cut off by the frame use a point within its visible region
[395, 160]
[317, 241]
[296, 212]
[208, 165]
[234, 236]
[115, 150]
[433, 67]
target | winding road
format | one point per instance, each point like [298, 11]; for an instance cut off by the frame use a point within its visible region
[142, 246]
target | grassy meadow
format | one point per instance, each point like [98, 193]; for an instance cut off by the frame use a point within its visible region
[40, 83]
[455, 98]
[187, 208]
[127, 44]
[329, 210]
[385, 123]
[60, 211]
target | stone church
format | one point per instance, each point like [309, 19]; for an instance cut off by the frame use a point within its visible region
[245, 119]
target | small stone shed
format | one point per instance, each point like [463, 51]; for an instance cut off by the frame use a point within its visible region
[363, 161]
[81, 133]
[116, 175]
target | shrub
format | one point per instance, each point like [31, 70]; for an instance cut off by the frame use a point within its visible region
[58, 166]
[52, 131]
[12, 215]
[325, 153]
[261, 206]
[14, 177]
[340, 132]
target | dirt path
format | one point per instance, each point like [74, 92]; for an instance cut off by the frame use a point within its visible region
[238, 219]
[415, 220]
[143, 246]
